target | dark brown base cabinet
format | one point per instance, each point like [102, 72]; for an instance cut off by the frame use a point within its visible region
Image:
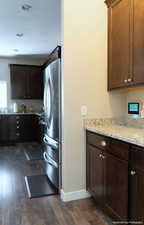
[95, 183]
[116, 186]
[7, 128]
[18, 128]
[137, 184]
[115, 177]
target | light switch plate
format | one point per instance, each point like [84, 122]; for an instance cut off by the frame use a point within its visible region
[83, 110]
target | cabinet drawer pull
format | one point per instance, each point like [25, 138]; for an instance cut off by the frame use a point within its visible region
[100, 155]
[125, 81]
[129, 80]
[133, 172]
[103, 143]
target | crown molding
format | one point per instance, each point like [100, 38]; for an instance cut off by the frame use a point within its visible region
[109, 2]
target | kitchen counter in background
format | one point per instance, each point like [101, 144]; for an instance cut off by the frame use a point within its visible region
[112, 128]
[20, 127]
[28, 113]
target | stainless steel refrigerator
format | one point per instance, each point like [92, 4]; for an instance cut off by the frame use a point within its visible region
[52, 120]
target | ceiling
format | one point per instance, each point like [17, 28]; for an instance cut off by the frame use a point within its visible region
[40, 27]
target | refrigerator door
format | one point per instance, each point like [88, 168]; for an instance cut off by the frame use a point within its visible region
[52, 99]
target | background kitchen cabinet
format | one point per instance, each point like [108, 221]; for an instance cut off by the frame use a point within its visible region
[125, 46]
[26, 128]
[19, 81]
[119, 47]
[26, 82]
[35, 90]
[7, 129]
[19, 128]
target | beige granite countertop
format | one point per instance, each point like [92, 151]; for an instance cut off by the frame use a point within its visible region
[123, 133]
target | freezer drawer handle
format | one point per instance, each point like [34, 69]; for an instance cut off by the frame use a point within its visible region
[54, 145]
[49, 160]
[42, 122]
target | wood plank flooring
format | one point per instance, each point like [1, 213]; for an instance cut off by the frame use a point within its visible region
[17, 209]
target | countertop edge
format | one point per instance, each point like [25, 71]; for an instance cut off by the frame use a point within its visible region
[129, 141]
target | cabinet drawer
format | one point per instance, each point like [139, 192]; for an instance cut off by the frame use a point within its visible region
[119, 149]
[99, 141]
[137, 157]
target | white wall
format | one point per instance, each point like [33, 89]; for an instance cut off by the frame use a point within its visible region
[84, 82]
[5, 75]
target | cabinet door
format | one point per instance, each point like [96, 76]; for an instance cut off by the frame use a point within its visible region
[35, 83]
[119, 44]
[4, 129]
[18, 82]
[136, 195]
[27, 129]
[138, 42]
[12, 127]
[116, 186]
[7, 128]
[95, 184]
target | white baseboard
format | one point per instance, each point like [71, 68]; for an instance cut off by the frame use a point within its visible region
[70, 196]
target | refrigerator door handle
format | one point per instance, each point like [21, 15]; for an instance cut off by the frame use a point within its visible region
[49, 160]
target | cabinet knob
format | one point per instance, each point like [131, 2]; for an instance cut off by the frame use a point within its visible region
[100, 155]
[103, 143]
[133, 172]
[129, 80]
[125, 81]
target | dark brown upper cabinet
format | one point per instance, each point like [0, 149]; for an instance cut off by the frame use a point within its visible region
[26, 82]
[125, 43]
[138, 42]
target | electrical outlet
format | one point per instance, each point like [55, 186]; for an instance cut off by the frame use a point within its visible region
[83, 110]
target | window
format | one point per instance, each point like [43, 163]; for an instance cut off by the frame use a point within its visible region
[3, 94]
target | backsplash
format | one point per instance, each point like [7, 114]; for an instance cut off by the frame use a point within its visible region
[135, 96]
[91, 122]
[36, 104]
[123, 121]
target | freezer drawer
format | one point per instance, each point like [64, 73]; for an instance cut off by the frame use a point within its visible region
[52, 170]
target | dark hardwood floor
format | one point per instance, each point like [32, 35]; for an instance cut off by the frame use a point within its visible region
[17, 209]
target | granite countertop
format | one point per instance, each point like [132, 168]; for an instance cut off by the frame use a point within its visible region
[123, 133]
